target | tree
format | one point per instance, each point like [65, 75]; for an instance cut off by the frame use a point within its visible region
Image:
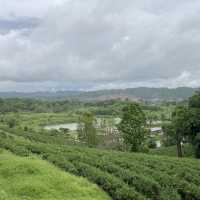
[168, 134]
[132, 126]
[193, 122]
[11, 123]
[150, 118]
[87, 130]
[152, 143]
[174, 132]
[197, 145]
[194, 101]
[179, 127]
[186, 124]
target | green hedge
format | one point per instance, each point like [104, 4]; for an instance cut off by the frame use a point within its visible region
[124, 176]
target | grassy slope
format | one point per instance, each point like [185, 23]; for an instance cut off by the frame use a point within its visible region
[124, 176]
[34, 179]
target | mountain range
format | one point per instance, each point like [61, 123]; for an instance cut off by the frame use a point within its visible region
[140, 93]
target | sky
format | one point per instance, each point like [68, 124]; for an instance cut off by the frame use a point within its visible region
[49, 45]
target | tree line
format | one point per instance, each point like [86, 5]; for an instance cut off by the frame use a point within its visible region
[184, 127]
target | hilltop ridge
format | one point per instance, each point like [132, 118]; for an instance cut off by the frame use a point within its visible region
[140, 93]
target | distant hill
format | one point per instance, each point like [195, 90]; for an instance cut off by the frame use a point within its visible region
[141, 93]
[41, 95]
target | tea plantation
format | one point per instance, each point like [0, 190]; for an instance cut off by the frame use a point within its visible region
[33, 179]
[124, 176]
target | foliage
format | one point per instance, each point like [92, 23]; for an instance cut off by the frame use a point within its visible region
[187, 150]
[98, 108]
[87, 130]
[168, 135]
[11, 122]
[187, 122]
[32, 179]
[185, 125]
[194, 116]
[144, 93]
[152, 143]
[124, 176]
[197, 145]
[132, 126]
[179, 117]
[37, 106]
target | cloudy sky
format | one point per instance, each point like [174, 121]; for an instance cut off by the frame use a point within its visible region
[98, 44]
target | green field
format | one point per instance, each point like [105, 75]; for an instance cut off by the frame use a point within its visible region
[156, 175]
[30, 178]
[38, 120]
[123, 176]
[188, 151]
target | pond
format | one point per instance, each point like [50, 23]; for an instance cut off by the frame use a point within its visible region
[74, 126]
[70, 126]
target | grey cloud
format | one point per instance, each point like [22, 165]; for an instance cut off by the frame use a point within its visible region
[25, 23]
[30, 8]
[107, 41]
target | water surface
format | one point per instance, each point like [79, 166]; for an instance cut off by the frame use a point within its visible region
[70, 126]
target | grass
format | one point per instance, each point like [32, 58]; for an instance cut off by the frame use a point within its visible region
[188, 151]
[38, 120]
[29, 178]
[124, 176]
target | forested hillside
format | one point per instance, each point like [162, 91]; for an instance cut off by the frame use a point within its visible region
[141, 93]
